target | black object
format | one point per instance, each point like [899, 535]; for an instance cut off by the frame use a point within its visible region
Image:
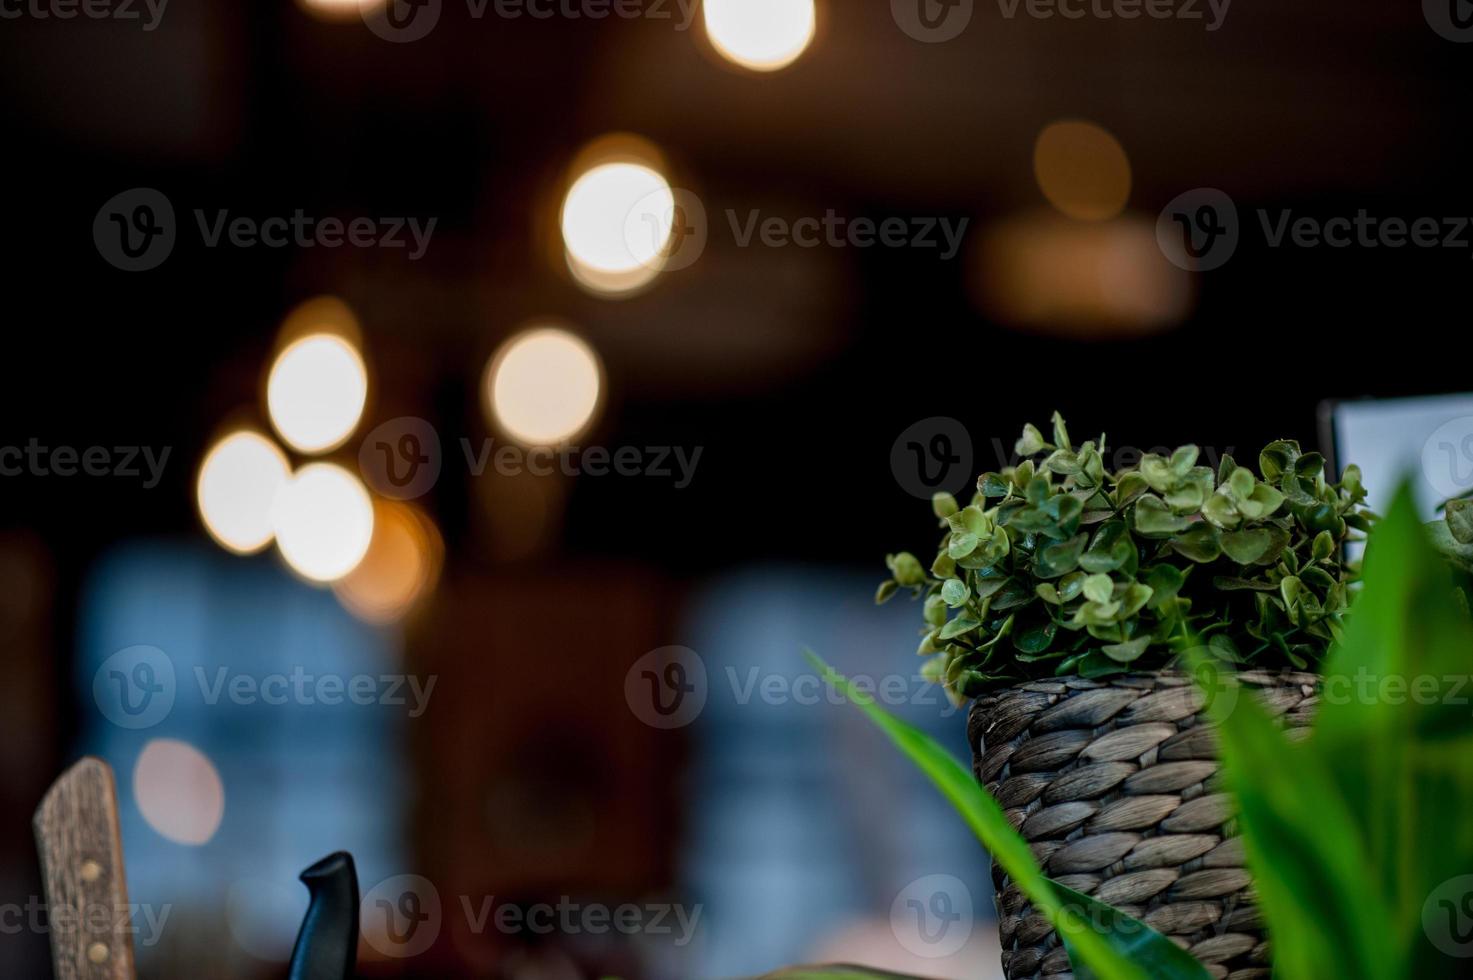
[327, 945]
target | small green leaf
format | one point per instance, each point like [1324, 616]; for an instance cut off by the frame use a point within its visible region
[1110, 549]
[1324, 546]
[935, 612]
[1199, 543]
[1165, 582]
[1061, 558]
[1031, 442]
[959, 626]
[906, 568]
[1183, 460]
[1241, 483]
[1128, 487]
[1220, 511]
[1291, 589]
[1153, 520]
[993, 485]
[943, 504]
[1035, 640]
[1264, 501]
[1061, 433]
[962, 545]
[1246, 547]
[1133, 599]
[1460, 520]
[1098, 588]
[954, 592]
[1157, 472]
[1277, 459]
[1228, 583]
[1128, 651]
[887, 589]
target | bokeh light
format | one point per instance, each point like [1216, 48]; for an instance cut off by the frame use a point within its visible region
[1082, 170]
[316, 392]
[323, 517]
[1047, 274]
[178, 791]
[544, 386]
[763, 35]
[617, 219]
[340, 10]
[401, 567]
[238, 482]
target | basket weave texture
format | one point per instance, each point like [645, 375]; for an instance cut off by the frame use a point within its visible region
[1115, 785]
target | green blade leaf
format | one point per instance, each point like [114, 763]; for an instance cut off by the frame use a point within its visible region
[835, 972]
[1147, 948]
[1107, 953]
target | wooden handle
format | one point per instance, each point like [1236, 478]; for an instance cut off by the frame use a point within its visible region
[82, 863]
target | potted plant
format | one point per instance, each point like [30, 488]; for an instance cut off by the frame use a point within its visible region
[1064, 600]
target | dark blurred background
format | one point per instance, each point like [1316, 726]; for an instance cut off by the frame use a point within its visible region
[533, 776]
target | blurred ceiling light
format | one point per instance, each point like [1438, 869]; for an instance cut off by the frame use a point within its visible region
[401, 567]
[1082, 170]
[1048, 274]
[617, 219]
[237, 484]
[763, 35]
[178, 791]
[316, 392]
[321, 314]
[544, 386]
[340, 9]
[323, 519]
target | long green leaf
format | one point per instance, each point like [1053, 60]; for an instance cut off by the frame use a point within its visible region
[836, 972]
[1147, 948]
[1106, 951]
[1350, 832]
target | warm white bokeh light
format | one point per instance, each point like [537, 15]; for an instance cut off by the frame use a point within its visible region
[1082, 169]
[763, 35]
[401, 567]
[1044, 273]
[237, 485]
[337, 10]
[617, 220]
[544, 386]
[178, 791]
[316, 392]
[323, 518]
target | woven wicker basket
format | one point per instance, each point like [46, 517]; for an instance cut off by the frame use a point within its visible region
[1114, 784]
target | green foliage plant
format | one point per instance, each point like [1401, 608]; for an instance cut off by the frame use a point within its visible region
[1058, 567]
